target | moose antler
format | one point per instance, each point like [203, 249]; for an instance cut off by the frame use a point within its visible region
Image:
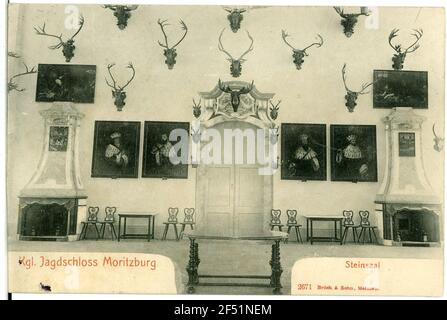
[413, 47]
[12, 85]
[247, 89]
[163, 24]
[224, 88]
[364, 85]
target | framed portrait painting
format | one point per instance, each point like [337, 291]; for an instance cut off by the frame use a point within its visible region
[116, 149]
[396, 88]
[68, 83]
[166, 147]
[353, 153]
[303, 151]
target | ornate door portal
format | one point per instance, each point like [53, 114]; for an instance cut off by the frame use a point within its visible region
[233, 196]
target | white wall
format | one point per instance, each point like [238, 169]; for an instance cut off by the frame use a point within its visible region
[314, 94]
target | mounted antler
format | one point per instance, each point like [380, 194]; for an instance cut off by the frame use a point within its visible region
[235, 17]
[68, 46]
[351, 96]
[169, 51]
[118, 92]
[274, 110]
[399, 57]
[14, 86]
[349, 20]
[236, 64]
[439, 142]
[235, 94]
[122, 13]
[196, 108]
[299, 54]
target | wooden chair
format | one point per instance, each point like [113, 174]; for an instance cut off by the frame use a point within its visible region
[92, 220]
[275, 219]
[348, 223]
[109, 220]
[172, 220]
[293, 223]
[188, 220]
[366, 226]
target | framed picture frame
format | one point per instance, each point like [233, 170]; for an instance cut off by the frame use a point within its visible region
[166, 150]
[407, 144]
[66, 83]
[353, 153]
[303, 151]
[396, 88]
[116, 149]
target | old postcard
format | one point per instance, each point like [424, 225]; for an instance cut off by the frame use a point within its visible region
[248, 150]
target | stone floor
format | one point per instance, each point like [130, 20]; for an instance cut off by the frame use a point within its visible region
[232, 257]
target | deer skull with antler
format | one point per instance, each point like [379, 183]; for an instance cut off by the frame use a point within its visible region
[235, 94]
[299, 54]
[235, 17]
[349, 20]
[122, 13]
[274, 110]
[399, 57]
[169, 51]
[196, 108]
[118, 92]
[439, 142]
[351, 96]
[236, 64]
[68, 46]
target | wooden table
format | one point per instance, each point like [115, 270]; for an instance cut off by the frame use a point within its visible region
[275, 262]
[150, 226]
[336, 219]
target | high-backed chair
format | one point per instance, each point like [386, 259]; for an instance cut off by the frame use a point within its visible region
[275, 219]
[92, 220]
[365, 226]
[188, 220]
[109, 220]
[293, 223]
[348, 223]
[172, 220]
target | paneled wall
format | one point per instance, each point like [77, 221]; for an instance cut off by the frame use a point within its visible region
[314, 94]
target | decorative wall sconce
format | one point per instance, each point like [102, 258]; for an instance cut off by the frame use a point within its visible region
[235, 94]
[169, 51]
[118, 92]
[274, 110]
[235, 17]
[11, 84]
[196, 108]
[349, 20]
[351, 96]
[122, 13]
[298, 54]
[236, 64]
[399, 57]
[68, 46]
[439, 142]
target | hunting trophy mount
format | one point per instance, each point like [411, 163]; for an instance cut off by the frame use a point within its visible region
[170, 51]
[118, 92]
[68, 46]
[439, 142]
[235, 94]
[299, 54]
[400, 55]
[235, 64]
[349, 20]
[351, 96]
[235, 17]
[122, 13]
